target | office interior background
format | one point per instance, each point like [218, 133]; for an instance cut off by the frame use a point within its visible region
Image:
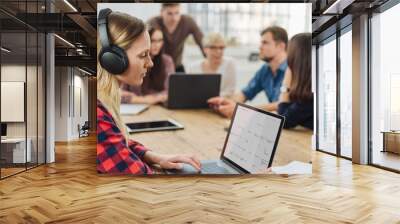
[48, 88]
[48, 72]
[357, 83]
[48, 84]
[52, 64]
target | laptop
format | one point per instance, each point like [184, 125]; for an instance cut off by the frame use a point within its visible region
[249, 147]
[132, 109]
[188, 91]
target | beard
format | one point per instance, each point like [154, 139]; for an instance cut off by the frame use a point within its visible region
[267, 59]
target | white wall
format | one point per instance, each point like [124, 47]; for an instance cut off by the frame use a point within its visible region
[33, 126]
[80, 98]
[71, 94]
[14, 73]
[61, 103]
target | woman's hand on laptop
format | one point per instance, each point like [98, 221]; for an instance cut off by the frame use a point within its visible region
[171, 162]
[175, 162]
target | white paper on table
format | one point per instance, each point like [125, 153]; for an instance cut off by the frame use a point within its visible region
[132, 109]
[294, 167]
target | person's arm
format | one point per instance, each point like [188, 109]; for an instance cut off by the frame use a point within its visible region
[283, 96]
[127, 92]
[269, 107]
[113, 154]
[226, 106]
[254, 86]
[296, 113]
[197, 34]
[291, 113]
[129, 97]
[171, 162]
[126, 96]
[239, 97]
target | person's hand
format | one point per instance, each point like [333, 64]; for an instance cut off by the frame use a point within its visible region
[155, 99]
[175, 162]
[226, 108]
[152, 100]
[265, 171]
[214, 102]
[222, 105]
[160, 98]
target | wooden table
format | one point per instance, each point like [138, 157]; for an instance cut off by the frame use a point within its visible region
[204, 136]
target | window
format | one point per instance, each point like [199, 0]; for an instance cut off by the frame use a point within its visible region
[13, 150]
[22, 76]
[327, 96]
[346, 93]
[385, 87]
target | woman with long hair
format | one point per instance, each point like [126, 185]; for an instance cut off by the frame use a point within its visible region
[116, 152]
[296, 99]
[155, 84]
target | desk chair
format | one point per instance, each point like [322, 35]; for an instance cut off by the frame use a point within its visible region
[84, 130]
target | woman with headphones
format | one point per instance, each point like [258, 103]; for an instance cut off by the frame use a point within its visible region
[124, 58]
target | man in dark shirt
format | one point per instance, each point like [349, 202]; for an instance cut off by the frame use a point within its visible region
[176, 28]
[268, 78]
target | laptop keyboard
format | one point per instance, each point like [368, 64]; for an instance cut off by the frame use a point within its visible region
[213, 168]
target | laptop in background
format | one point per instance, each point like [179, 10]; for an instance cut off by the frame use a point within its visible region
[189, 91]
[250, 144]
[132, 109]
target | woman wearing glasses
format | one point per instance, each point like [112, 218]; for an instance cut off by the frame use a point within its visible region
[155, 84]
[216, 62]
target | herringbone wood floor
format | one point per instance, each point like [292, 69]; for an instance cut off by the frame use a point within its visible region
[70, 191]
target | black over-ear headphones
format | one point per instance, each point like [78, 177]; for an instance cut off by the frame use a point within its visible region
[111, 57]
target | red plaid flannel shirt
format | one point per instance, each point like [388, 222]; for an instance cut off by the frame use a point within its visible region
[113, 154]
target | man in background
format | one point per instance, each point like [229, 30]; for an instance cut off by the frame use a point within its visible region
[176, 28]
[268, 78]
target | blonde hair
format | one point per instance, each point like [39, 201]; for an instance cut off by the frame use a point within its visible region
[123, 30]
[212, 38]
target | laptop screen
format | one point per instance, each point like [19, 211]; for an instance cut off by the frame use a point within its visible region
[192, 90]
[252, 138]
